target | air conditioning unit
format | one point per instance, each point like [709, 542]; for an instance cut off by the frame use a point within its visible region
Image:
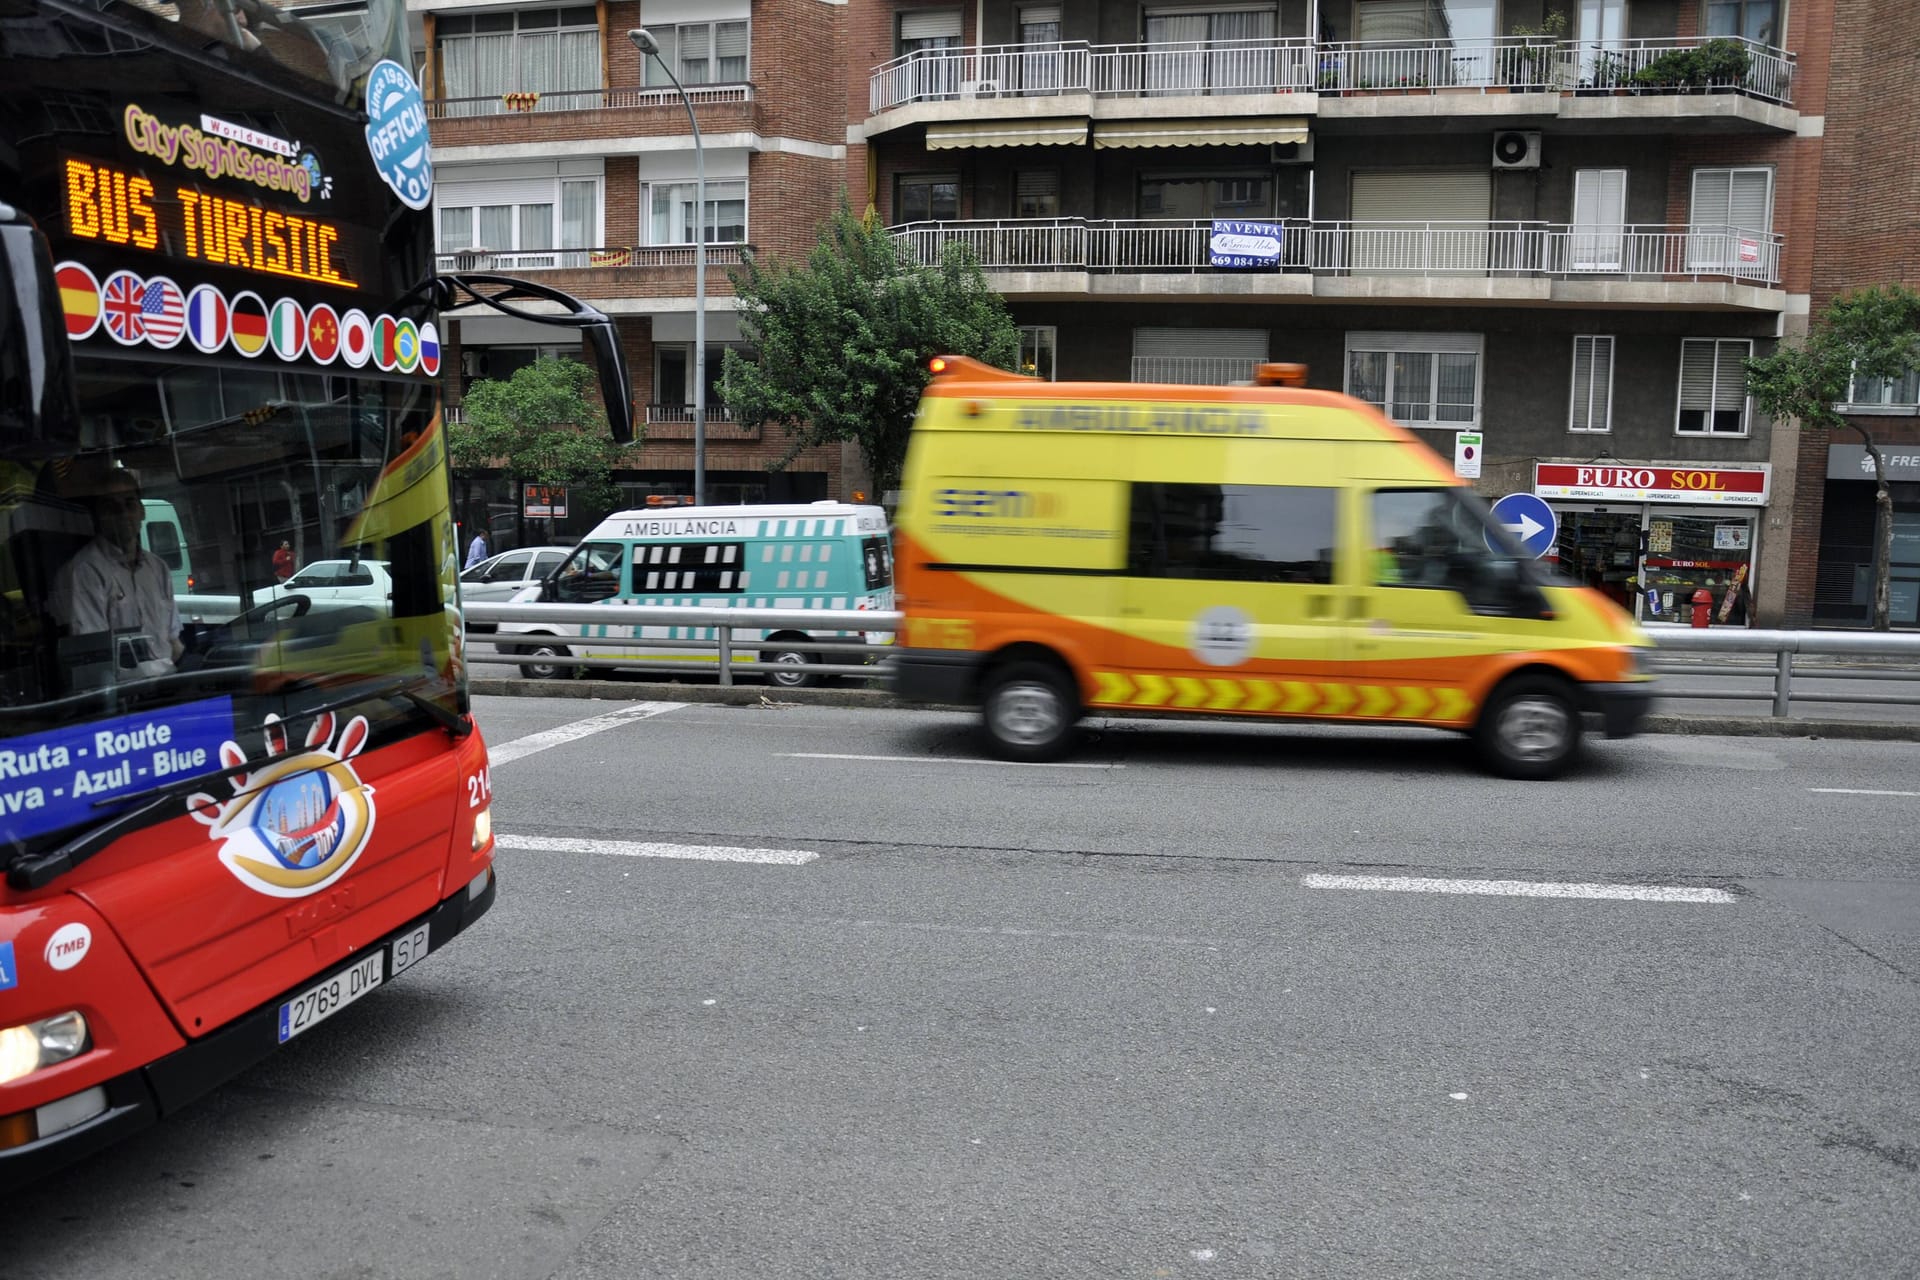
[1515, 149]
[979, 88]
[1293, 152]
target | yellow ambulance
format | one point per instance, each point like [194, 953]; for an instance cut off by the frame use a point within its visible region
[1262, 551]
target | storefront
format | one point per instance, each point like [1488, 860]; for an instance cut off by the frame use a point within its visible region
[1650, 537]
[1843, 588]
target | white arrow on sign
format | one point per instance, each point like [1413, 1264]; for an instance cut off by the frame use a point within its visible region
[1527, 527]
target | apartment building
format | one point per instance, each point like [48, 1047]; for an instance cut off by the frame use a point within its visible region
[564, 156]
[1563, 232]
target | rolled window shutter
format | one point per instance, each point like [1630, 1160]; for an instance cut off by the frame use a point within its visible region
[730, 40]
[1228, 344]
[1392, 20]
[1697, 359]
[930, 24]
[1750, 200]
[1712, 193]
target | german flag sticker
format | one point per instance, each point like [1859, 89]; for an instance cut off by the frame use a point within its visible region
[249, 323]
[79, 298]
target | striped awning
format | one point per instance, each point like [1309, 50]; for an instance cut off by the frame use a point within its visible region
[951, 134]
[1255, 132]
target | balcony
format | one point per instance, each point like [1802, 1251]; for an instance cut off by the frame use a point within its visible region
[1669, 80]
[619, 279]
[1502, 263]
[507, 119]
[675, 422]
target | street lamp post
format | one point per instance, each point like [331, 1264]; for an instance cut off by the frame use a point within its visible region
[649, 47]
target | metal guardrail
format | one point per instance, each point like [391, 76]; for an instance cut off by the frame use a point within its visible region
[714, 631]
[1784, 647]
[1513, 249]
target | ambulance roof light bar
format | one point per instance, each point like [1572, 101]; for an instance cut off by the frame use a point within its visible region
[1275, 374]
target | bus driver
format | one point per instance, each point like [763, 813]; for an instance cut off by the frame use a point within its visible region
[112, 585]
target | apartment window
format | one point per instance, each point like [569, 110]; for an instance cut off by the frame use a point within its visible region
[672, 388]
[1902, 393]
[1196, 195]
[1418, 379]
[562, 215]
[670, 212]
[1755, 20]
[928, 31]
[1194, 51]
[1232, 532]
[1592, 404]
[1036, 193]
[484, 55]
[1037, 344]
[701, 53]
[1713, 386]
[1731, 217]
[926, 197]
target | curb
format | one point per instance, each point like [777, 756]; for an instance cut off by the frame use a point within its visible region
[754, 695]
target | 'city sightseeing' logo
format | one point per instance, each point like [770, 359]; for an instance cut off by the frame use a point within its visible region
[297, 822]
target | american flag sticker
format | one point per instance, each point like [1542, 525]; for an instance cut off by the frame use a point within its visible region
[163, 312]
[356, 337]
[121, 299]
[207, 318]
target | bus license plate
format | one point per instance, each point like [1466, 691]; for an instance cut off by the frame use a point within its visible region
[408, 950]
[324, 999]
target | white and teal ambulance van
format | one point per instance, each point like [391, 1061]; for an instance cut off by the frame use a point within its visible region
[821, 555]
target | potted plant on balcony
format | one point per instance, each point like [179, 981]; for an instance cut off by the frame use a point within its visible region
[1722, 65]
[1529, 65]
[1609, 73]
[1412, 84]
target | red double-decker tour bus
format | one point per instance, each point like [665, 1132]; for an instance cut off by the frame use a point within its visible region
[240, 786]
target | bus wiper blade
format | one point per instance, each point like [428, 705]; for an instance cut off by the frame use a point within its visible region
[457, 726]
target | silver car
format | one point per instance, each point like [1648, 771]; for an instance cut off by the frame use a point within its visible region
[499, 577]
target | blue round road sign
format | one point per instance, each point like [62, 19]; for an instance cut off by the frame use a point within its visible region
[1529, 519]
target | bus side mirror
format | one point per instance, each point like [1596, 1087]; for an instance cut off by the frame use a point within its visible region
[37, 406]
[616, 392]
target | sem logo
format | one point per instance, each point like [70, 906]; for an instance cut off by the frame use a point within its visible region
[397, 133]
[296, 823]
[993, 504]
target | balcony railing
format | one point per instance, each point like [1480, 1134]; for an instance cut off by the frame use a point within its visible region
[1297, 65]
[508, 104]
[1118, 70]
[1510, 249]
[658, 414]
[1199, 371]
[679, 255]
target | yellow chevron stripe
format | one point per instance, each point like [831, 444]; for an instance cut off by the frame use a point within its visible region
[1227, 695]
[1300, 699]
[1415, 702]
[1188, 692]
[1112, 689]
[1336, 699]
[1261, 694]
[1153, 690]
[1453, 705]
[1374, 701]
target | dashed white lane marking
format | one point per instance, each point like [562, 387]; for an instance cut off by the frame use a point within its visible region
[638, 849]
[1012, 764]
[1521, 888]
[520, 748]
[1857, 791]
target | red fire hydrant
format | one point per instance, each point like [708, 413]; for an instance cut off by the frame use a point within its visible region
[1702, 607]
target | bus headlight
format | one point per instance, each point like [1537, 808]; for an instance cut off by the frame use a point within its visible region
[27, 1048]
[482, 828]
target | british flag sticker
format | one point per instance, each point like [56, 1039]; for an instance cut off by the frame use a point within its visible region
[121, 300]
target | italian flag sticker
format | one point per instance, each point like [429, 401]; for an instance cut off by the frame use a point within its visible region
[287, 329]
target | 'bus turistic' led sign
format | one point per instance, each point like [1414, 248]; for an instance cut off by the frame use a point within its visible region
[109, 204]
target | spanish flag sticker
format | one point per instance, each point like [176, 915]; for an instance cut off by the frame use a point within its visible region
[79, 298]
[249, 323]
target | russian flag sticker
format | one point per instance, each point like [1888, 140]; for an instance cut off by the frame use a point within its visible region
[429, 349]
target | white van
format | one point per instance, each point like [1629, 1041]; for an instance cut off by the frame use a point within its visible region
[821, 555]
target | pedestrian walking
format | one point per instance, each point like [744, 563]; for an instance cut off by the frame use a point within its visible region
[283, 561]
[476, 550]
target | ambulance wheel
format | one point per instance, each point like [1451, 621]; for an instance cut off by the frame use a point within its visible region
[1529, 729]
[1030, 712]
[788, 668]
[543, 666]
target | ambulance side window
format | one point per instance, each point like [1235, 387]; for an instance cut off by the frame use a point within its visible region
[591, 574]
[1232, 532]
[1437, 539]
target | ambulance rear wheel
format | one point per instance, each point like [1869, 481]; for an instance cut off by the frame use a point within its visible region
[542, 665]
[790, 668]
[1030, 712]
[1530, 729]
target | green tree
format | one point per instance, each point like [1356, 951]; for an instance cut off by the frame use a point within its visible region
[1871, 334]
[540, 426]
[840, 343]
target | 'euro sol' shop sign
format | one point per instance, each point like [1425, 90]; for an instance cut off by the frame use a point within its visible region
[1714, 486]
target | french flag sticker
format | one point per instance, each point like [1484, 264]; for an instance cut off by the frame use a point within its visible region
[207, 318]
